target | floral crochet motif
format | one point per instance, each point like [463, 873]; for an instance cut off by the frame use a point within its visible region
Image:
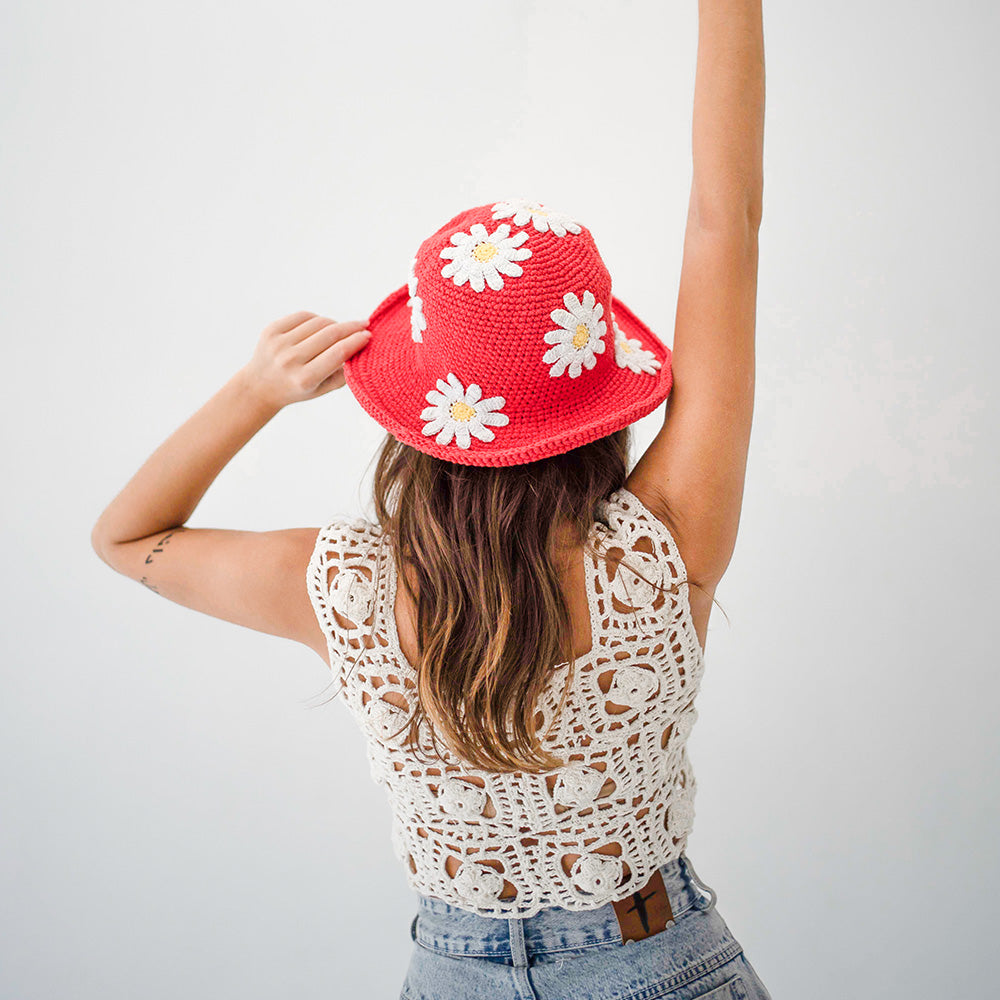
[352, 594]
[597, 873]
[580, 337]
[480, 259]
[588, 832]
[418, 322]
[458, 798]
[461, 413]
[631, 354]
[633, 686]
[681, 813]
[578, 784]
[637, 587]
[543, 219]
[476, 883]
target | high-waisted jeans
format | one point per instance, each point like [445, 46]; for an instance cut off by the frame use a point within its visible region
[561, 954]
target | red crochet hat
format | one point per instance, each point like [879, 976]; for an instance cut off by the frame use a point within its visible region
[507, 346]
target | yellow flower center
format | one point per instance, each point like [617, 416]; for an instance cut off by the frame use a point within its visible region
[461, 411]
[581, 336]
[623, 345]
[484, 252]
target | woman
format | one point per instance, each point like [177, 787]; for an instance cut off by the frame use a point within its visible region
[520, 632]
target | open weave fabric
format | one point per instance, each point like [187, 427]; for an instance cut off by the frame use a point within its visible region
[580, 835]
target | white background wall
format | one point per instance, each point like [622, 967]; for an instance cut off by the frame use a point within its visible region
[177, 820]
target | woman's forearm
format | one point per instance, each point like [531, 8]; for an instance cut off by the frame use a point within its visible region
[169, 485]
[728, 121]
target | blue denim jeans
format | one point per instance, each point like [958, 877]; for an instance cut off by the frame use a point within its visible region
[561, 954]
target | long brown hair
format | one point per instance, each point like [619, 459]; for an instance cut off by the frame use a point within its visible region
[492, 618]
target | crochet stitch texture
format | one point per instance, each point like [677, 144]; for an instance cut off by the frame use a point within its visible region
[578, 836]
[508, 302]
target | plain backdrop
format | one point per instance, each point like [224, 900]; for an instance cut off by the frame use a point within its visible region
[180, 815]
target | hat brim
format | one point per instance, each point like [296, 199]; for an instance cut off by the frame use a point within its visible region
[388, 379]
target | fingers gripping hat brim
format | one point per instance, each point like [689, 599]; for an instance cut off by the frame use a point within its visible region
[496, 378]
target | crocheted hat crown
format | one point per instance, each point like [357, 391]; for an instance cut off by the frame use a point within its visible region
[506, 345]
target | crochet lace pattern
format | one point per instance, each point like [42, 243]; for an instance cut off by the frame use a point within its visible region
[579, 836]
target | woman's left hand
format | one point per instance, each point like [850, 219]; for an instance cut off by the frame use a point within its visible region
[301, 356]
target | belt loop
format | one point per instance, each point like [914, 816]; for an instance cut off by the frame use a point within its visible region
[518, 951]
[692, 875]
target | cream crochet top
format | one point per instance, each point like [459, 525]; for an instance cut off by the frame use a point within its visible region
[578, 836]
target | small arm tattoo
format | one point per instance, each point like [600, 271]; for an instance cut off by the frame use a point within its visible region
[156, 550]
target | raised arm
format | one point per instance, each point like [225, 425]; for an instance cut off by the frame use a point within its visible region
[692, 474]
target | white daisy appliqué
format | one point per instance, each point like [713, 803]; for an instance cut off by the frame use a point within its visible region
[580, 337]
[461, 413]
[418, 322]
[629, 353]
[543, 219]
[480, 259]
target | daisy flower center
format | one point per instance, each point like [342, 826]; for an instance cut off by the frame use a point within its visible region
[623, 345]
[461, 411]
[484, 252]
[581, 336]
